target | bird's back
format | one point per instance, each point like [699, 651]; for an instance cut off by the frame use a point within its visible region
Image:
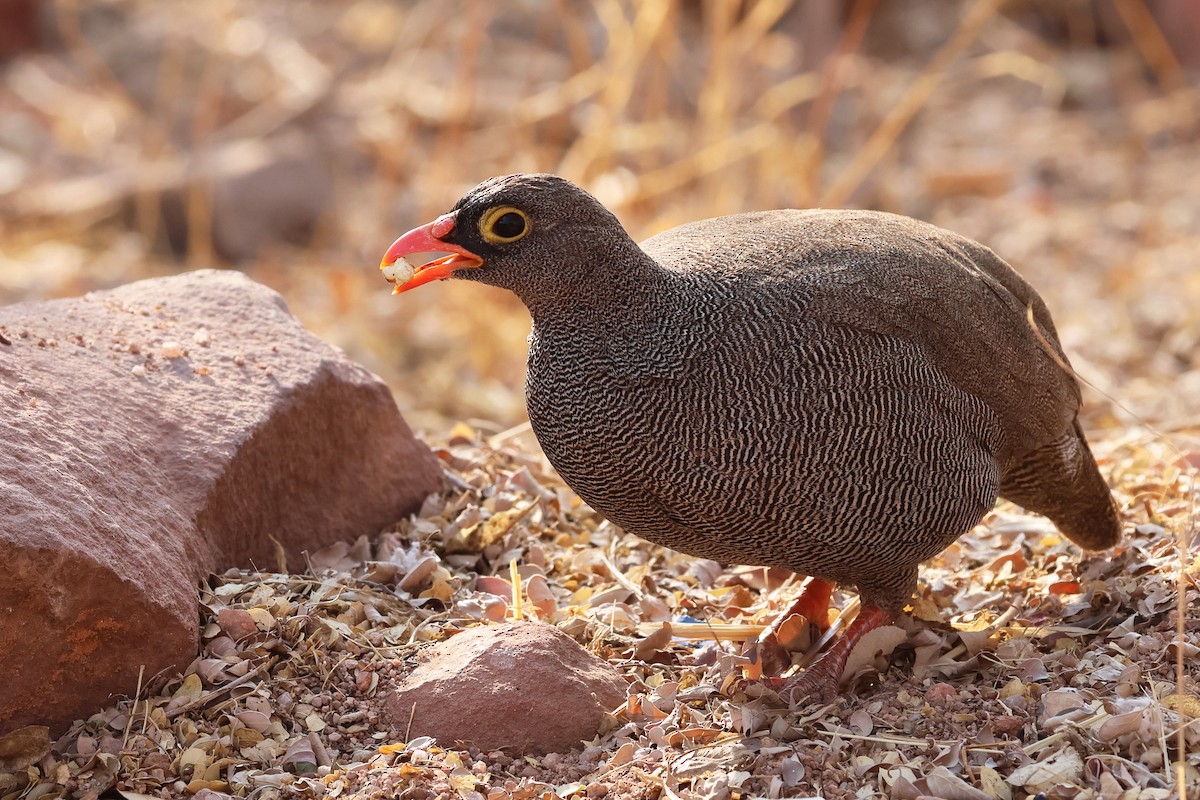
[899, 277]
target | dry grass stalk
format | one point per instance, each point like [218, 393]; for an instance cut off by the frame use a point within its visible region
[884, 137]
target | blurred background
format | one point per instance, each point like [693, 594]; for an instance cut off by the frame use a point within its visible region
[294, 141]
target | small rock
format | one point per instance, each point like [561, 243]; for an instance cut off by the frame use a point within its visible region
[1018, 703]
[1005, 724]
[237, 623]
[940, 694]
[521, 686]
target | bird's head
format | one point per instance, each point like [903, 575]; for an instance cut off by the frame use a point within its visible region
[533, 234]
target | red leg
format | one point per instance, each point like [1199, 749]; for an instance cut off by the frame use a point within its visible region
[772, 644]
[812, 604]
[820, 682]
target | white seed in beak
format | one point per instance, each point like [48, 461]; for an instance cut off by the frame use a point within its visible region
[398, 272]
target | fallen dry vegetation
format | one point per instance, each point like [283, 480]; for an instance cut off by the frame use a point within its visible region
[1024, 669]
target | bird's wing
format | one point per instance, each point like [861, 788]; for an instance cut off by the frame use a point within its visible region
[894, 276]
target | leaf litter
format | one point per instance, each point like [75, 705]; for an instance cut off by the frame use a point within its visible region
[1022, 668]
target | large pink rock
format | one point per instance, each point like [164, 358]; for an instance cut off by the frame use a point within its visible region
[151, 435]
[522, 686]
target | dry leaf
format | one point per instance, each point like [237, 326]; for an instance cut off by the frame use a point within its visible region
[977, 642]
[654, 643]
[878, 642]
[195, 759]
[1061, 701]
[623, 756]
[493, 584]
[694, 736]
[941, 782]
[993, 785]
[479, 536]
[1120, 725]
[1064, 766]
[795, 633]
[792, 771]
[537, 590]
[257, 720]
[299, 757]
[23, 747]
[1183, 703]
[860, 722]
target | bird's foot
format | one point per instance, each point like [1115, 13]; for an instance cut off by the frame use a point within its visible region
[817, 684]
[822, 680]
[792, 630]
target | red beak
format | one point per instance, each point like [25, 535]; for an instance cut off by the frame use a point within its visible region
[425, 239]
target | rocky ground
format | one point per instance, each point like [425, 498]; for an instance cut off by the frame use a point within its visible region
[1024, 668]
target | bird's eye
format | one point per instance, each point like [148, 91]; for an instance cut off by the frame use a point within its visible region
[503, 224]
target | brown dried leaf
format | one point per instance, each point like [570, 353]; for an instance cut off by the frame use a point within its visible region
[23, 747]
[493, 584]
[993, 785]
[477, 537]
[537, 590]
[860, 722]
[694, 736]
[1060, 701]
[654, 643]
[1064, 766]
[977, 642]
[941, 782]
[795, 633]
[415, 578]
[1120, 725]
[299, 757]
[876, 643]
[623, 756]
[257, 720]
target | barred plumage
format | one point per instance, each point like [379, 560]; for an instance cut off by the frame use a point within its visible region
[839, 393]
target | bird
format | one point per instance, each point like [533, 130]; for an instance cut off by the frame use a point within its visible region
[838, 393]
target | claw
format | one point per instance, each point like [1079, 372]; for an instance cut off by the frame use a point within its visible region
[821, 682]
[816, 685]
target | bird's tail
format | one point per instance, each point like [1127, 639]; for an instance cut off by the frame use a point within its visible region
[1061, 481]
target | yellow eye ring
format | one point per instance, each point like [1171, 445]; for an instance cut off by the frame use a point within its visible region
[503, 224]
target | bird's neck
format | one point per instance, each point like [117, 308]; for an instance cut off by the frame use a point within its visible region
[640, 325]
[614, 290]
